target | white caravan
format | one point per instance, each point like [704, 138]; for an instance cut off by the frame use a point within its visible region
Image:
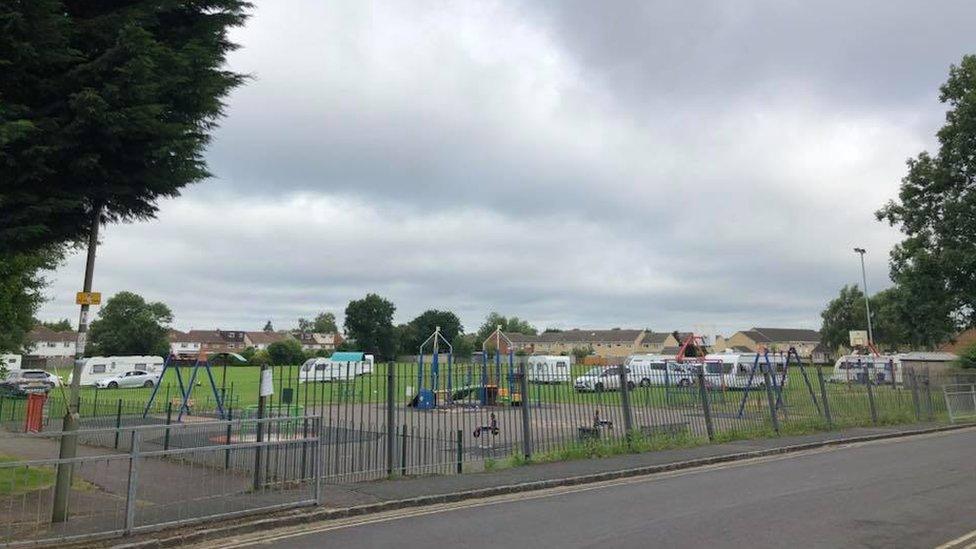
[10, 362]
[647, 370]
[101, 367]
[731, 370]
[859, 368]
[340, 366]
[548, 369]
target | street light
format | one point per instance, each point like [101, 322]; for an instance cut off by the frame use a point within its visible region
[867, 304]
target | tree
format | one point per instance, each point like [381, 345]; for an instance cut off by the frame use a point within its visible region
[967, 358]
[893, 317]
[464, 346]
[325, 323]
[580, 353]
[21, 294]
[936, 262]
[268, 327]
[63, 325]
[510, 325]
[105, 106]
[420, 328]
[128, 325]
[305, 325]
[369, 321]
[286, 352]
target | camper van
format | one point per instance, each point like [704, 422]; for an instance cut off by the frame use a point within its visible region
[731, 370]
[548, 369]
[101, 367]
[647, 370]
[10, 362]
[340, 366]
[860, 368]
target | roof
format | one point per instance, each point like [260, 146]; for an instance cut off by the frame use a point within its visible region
[591, 336]
[769, 335]
[960, 342]
[265, 338]
[656, 337]
[43, 333]
[924, 356]
[347, 356]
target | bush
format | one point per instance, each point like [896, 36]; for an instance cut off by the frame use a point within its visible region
[967, 358]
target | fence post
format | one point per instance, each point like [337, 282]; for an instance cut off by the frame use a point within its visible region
[706, 406]
[118, 423]
[460, 450]
[916, 403]
[390, 417]
[526, 429]
[169, 420]
[262, 400]
[625, 403]
[928, 396]
[317, 464]
[874, 409]
[230, 418]
[403, 451]
[132, 488]
[767, 382]
[823, 397]
[1, 407]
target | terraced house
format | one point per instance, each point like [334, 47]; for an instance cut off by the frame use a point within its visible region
[774, 339]
[614, 343]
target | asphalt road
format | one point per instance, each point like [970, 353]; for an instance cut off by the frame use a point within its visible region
[914, 492]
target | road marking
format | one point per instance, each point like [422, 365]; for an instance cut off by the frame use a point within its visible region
[288, 532]
[958, 542]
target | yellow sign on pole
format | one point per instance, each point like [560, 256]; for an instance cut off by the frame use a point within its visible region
[88, 298]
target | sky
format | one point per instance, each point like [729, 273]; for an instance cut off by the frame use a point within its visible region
[665, 165]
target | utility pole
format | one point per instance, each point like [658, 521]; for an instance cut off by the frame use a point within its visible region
[69, 443]
[867, 299]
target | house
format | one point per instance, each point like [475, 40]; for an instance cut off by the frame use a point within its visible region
[775, 339]
[662, 342]
[315, 341]
[616, 343]
[189, 345]
[46, 348]
[261, 340]
[960, 342]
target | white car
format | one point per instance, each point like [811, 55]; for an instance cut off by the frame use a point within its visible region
[135, 378]
[34, 375]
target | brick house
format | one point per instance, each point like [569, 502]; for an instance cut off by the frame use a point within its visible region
[615, 343]
[46, 348]
[775, 339]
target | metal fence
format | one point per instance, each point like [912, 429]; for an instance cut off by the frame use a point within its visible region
[160, 475]
[142, 472]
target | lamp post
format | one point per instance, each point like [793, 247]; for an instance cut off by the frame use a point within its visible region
[867, 301]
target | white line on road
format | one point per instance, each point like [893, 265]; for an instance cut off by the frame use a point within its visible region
[284, 533]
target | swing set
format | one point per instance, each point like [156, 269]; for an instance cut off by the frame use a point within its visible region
[186, 389]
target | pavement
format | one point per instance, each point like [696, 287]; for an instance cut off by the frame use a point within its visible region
[896, 492]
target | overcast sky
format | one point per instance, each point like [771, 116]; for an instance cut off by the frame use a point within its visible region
[695, 165]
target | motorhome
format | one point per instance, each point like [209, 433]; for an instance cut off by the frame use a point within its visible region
[10, 362]
[879, 369]
[548, 369]
[647, 370]
[731, 370]
[100, 367]
[338, 367]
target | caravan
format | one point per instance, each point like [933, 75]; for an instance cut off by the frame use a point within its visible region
[548, 369]
[661, 370]
[101, 367]
[880, 369]
[10, 362]
[341, 366]
[731, 370]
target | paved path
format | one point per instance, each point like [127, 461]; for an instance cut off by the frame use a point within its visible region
[912, 492]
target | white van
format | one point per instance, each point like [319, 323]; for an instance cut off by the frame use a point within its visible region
[648, 370]
[855, 369]
[340, 366]
[10, 362]
[101, 367]
[731, 370]
[548, 369]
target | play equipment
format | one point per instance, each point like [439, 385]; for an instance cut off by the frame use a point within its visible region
[186, 389]
[431, 395]
[491, 375]
[767, 366]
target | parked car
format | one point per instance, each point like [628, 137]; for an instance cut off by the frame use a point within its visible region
[600, 378]
[135, 378]
[20, 383]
